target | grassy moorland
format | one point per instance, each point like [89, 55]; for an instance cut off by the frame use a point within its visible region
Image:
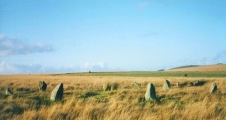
[84, 98]
[152, 74]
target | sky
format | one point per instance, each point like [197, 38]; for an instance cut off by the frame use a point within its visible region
[60, 36]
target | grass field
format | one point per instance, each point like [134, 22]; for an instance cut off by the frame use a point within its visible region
[84, 98]
[153, 74]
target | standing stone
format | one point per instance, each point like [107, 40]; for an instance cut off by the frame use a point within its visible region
[106, 87]
[8, 91]
[190, 84]
[114, 86]
[150, 92]
[197, 83]
[166, 85]
[42, 86]
[57, 93]
[178, 84]
[213, 88]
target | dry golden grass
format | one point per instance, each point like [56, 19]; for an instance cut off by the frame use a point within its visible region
[85, 100]
[206, 68]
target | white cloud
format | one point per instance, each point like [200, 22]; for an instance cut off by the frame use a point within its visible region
[99, 66]
[10, 46]
[203, 61]
[7, 68]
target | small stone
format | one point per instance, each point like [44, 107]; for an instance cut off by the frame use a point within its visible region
[191, 84]
[42, 86]
[8, 91]
[166, 85]
[213, 88]
[178, 84]
[114, 86]
[106, 87]
[197, 83]
[57, 93]
[137, 85]
[150, 92]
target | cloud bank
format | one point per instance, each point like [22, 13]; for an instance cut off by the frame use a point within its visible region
[99, 66]
[7, 68]
[220, 56]
[10, 46]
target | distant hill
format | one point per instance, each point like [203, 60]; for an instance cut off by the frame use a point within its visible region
[216, 67]
[187, 66]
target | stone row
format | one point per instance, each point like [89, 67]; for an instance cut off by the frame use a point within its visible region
[150, 94]
[56, 94]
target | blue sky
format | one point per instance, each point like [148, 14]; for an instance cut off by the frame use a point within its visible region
[39, 36]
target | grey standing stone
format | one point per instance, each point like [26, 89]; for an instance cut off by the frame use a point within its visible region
[106, 87]
[57, 93]
[178, 84]
[166, 85]
[150, 92]
[42, 86]
[8, 91]
[213, 88]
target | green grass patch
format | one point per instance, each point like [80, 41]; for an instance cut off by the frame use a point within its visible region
[98, 96]
[150, 74]
[88, 94]
[36, 102]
